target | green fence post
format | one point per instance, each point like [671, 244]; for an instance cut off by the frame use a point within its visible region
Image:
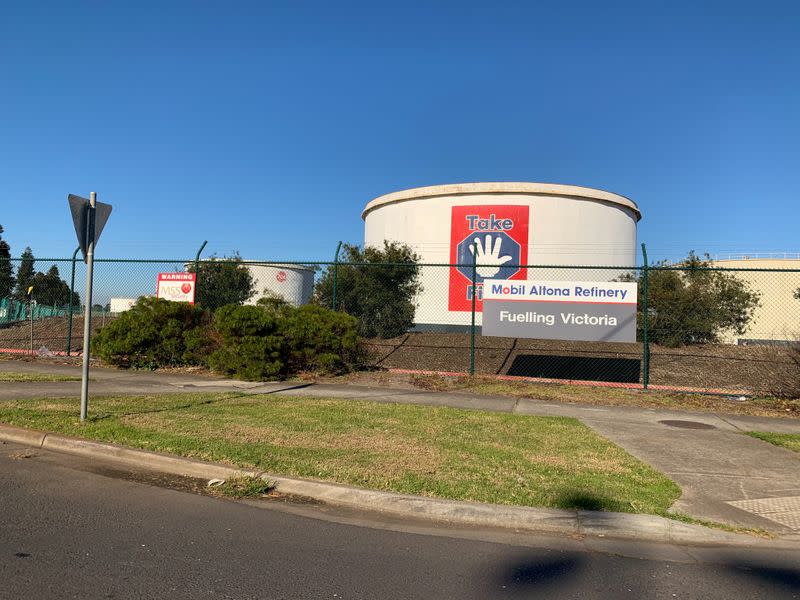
[474, 296]
[645, 322]
[30, 309]
[71, 293]
[335, 275]
[197, 258]
[197, 268]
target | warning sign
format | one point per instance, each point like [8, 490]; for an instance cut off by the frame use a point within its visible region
[178, 287]
[498, 235]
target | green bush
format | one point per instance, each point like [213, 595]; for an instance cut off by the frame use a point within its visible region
[222, 281]
[267, 341]
[252, 346]
[378, 286]
[320, 339]
[154, 333]
[691, 303]
[274, 339]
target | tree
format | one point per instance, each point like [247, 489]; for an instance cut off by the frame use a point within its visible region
[25, 274]
[6, 270]
[378, 288]
[690, 303]
[222, 281]
[49, 289]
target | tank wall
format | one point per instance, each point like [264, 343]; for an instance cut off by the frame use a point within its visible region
[290, 283]
[562, 230]
[776, 317]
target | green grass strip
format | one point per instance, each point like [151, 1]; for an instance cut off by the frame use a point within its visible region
[790, 441]
[13, 376]
[442, 452]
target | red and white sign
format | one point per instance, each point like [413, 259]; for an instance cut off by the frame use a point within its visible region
[178, 287]
[497, 235]
[281, 276]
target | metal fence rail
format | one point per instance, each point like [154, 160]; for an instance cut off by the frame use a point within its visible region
[437, 332]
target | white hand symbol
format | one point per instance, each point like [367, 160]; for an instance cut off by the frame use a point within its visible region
[488, 256]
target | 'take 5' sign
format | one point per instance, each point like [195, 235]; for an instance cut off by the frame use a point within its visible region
[498, 236]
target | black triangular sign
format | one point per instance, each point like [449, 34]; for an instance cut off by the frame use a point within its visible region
[101, 213]
[79, 207]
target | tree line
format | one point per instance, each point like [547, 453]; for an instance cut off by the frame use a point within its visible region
[48, 288]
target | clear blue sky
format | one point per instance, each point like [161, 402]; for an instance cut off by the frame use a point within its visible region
[265, 127]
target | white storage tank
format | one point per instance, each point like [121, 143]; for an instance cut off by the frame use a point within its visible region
[293, 283]
[512, 224]
[119, 305]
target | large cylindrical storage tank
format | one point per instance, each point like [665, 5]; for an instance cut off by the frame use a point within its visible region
[512, 224]
[293, 283]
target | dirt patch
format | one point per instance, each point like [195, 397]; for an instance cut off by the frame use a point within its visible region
[758, 370]
[589, 395]
[52, 333]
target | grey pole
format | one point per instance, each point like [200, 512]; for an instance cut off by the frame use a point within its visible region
[30, 310]
[87, 318]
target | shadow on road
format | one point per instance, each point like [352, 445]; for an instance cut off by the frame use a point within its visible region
[784, 578]
[538, 572]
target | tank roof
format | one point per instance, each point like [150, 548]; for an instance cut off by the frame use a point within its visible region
[502, 187]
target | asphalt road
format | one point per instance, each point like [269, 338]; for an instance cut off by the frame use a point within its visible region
[71, 528]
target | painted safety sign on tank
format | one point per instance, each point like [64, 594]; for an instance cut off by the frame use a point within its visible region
[498, 235]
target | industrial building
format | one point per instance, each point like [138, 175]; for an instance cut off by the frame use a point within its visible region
[504, 225]
[777, 318]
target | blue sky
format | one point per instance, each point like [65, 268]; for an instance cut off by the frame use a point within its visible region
[266, 127]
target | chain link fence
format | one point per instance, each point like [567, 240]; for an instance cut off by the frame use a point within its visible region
[720, 330]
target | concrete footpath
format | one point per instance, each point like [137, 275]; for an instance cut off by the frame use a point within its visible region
[725, 476]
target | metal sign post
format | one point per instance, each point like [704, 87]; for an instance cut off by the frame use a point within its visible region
[89, 218]
[87, 313]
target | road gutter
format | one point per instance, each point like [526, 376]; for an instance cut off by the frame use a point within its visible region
[573, 523]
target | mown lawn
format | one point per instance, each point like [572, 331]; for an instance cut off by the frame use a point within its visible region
[13, 376]
[443, 452]
[786, 440]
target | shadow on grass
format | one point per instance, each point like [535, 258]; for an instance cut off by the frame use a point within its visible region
[584, 501]
[229, 396]
[104, 416]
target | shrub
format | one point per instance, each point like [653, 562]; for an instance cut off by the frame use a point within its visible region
[320, 339]
[222, 281]
[251, 345]
[377, 286]
[154, 333]
[691, 303]
[274, 339]
[266, 341]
